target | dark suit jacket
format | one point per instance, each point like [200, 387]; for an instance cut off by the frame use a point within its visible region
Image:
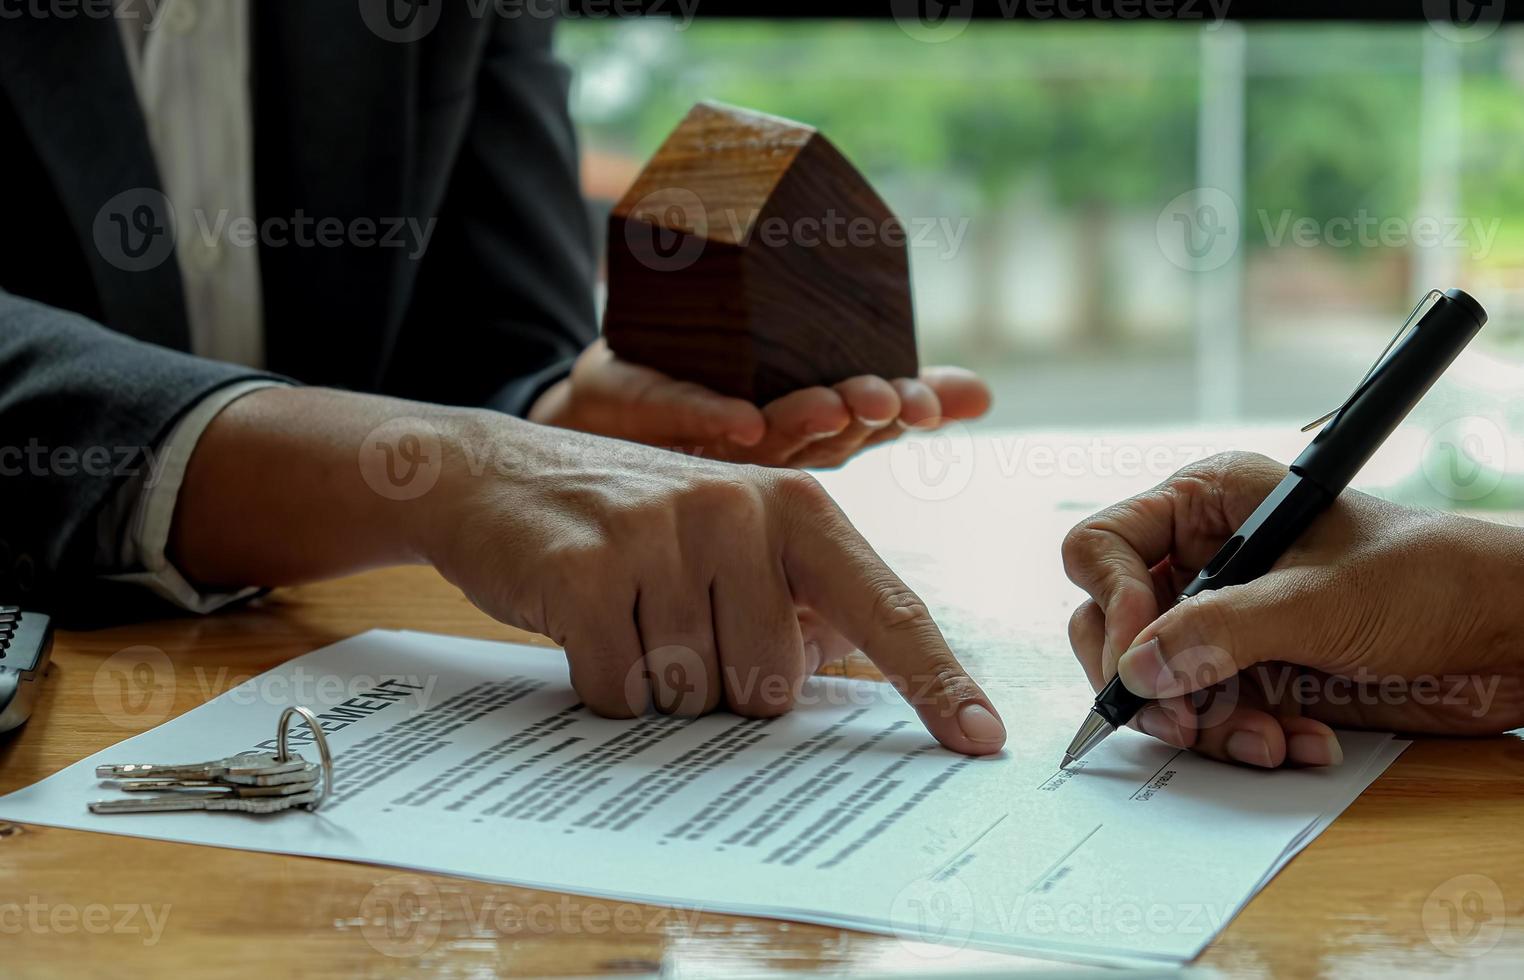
[466, 124]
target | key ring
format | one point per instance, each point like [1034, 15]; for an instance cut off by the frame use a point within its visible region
[318, 738]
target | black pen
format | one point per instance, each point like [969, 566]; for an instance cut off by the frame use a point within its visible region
[1409, 366]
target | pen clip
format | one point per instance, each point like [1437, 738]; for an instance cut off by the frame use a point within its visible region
[1401, 332]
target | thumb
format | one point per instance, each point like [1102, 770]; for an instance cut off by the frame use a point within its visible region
[1208, 638]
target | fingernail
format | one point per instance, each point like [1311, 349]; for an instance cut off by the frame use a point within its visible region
[1143, 670]
[979, 724]
[874, 423]
[1249, 748]
[1314, 750]
[1156, 721]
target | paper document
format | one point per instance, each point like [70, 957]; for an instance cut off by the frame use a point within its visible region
[474, 758]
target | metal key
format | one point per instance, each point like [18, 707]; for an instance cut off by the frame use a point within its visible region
[250, 782]
[244, 764]
[203, 801]
[308, 775]
[310, 772]
[217, 789]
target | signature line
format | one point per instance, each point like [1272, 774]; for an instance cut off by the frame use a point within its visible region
[1155, 775]
[965, 848]
[1067, 855]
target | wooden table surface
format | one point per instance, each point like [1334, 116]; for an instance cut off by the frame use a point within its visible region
[1416, 875]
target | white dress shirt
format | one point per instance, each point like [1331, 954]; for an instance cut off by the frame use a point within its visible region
[191, 71]
[190, 67]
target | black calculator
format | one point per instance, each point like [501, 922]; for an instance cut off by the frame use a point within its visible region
[26, 640]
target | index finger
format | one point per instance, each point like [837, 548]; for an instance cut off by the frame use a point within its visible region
[1185, 519]
[1109, 556]
[831, 568]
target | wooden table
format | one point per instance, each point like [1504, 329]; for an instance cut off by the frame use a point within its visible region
[1369, 896]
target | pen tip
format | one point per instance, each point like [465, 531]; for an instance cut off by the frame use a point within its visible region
[1092, 733]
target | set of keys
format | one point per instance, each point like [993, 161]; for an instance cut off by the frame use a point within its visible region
[250, 782]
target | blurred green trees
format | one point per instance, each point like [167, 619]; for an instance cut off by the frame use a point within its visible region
[1103, 114]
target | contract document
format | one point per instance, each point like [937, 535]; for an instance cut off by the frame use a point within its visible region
[475, 758]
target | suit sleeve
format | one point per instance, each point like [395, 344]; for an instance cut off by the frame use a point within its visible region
[82, 412]
[504, 298]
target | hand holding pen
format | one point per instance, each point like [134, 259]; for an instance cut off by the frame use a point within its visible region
[1253, 538]
[1380, 617]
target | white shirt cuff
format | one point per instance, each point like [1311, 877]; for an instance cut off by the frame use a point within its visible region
[147, 532]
